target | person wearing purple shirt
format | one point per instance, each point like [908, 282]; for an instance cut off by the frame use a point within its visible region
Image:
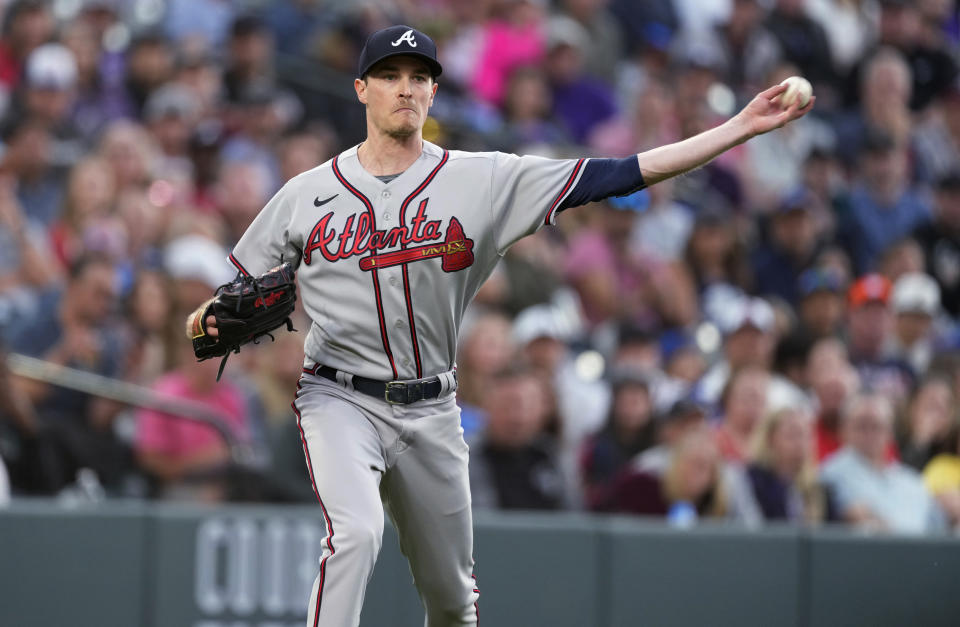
[579, 101]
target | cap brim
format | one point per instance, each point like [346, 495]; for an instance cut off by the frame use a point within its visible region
[435, 68]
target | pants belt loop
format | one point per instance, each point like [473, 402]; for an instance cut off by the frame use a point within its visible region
[447, 382]
[345, 379]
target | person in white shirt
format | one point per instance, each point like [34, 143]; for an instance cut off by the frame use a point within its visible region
[871, 490]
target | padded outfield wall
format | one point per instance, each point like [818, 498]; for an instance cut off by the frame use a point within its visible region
[129, 565]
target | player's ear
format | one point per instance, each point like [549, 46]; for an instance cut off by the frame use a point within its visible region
[434, 91]
[360, 86]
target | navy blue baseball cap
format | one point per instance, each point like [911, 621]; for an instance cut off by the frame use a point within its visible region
[397, 40]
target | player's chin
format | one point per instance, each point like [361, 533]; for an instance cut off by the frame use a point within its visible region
[403, 130]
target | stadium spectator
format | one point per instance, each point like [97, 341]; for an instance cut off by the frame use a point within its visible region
[580, 397]
[100, 97]
[714, 254]
[940, 240]
[872, 491]
[928, 422]
[486, 348]
[915, 301]
[184, 457]
[883, 205]
[72, 327]
[901, 26]
[692, 483]
[804, 42]
[604, 42]
[90, 194]
[790, 247]
[39, 184]
[153, 338]
[23, 264]
[942, 478]
[512, 37]
[616, 283]
[171, 112]
[150, 64]
[821, 308]
[27, 24]
[528, 112]
[905, 256]
[782, 470]
[870, 323]
[833, 381]
[250, 59]
[747, 325]
[743, 404]
[579, 101]
[630, 429]
[275, 375]
[682, 417]
[744, 48]
[131, 153]
[513, 462]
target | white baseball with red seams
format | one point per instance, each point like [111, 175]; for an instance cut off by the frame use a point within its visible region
[385, 273]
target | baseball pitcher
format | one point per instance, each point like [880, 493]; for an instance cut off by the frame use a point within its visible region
[391, 239]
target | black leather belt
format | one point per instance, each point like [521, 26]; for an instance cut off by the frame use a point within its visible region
[393, 392]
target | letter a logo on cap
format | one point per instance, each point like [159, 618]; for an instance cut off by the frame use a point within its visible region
[407, 37]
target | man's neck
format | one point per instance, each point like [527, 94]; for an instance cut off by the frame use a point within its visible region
[381, 154]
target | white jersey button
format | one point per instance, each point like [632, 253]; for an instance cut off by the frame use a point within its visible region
[393, 281]
[386, 216]
[398, 324]
[386, 194]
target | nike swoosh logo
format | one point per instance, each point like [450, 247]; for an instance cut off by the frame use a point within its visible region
[319, 203]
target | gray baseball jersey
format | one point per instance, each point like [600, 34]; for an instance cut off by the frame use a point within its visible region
[387, 269]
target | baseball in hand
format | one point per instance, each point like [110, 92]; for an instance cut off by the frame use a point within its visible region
[797, 88]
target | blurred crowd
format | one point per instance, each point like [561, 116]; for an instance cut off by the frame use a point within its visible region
[771, 337]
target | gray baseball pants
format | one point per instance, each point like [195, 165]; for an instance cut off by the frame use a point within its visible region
[365, 456]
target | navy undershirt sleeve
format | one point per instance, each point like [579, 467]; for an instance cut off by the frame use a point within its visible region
[603, 178]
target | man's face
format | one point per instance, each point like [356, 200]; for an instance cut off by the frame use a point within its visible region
[794, 232]
[517, 412]
[748, 346]
[94, 292]
[398, 93]
[822, 312]
[869, 429]
[869, 326]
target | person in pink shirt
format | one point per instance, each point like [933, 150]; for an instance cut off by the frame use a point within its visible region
[510, 40]
[174, 449]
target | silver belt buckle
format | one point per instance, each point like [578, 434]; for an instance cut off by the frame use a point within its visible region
[400, 387]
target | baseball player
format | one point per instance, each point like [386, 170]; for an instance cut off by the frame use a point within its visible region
[393, 238]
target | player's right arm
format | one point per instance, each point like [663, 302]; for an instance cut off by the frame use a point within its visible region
[265, 244]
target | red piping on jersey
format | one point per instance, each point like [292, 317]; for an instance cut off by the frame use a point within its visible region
[406, 277]
[563, 192]
[239, 265]
[376, 281]
[476, 604]
[323, 562]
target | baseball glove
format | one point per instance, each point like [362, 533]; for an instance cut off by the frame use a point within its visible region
[246, 309]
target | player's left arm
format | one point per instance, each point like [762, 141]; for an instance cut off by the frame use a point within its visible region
[763, 114]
